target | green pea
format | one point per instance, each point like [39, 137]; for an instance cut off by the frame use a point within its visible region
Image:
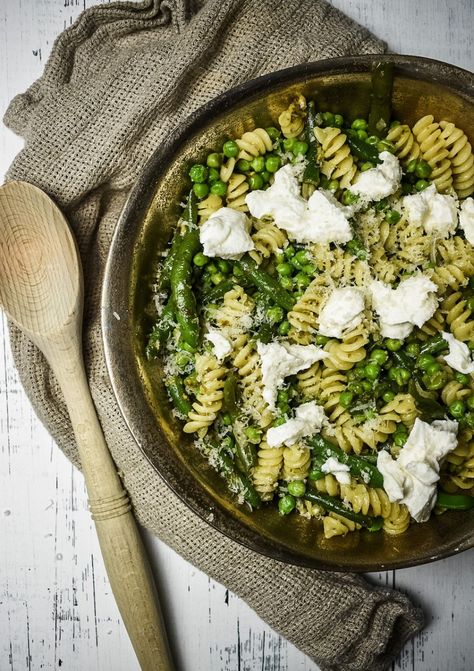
[237, 271]
[321, 340]
[359, 124]
[393, 344]
[388, 396]
[290, 251]
[200, 260]
[214, 175]
[470, 402]
[273, 132]
[230, 149]
[367, 385]
[198, 173]
[356, 388]
[462, 378]
[423, 169]
[302, 280]
[328, 118]
[286, 504]
[457, 409]
[284, 269]
[211, 268]
[470, 303]
[380, 356]
[413, 349]
[255, 181]
[411, 167]
[349, 198]
[296, 488]
[372, 371]
[300, 259]
[333, 185]
[362, 134]
[214, 160]
[226, 419]
[399, 439]
[243, 165]
[297, 294]
[421, 185]
[217, 278]
[345, 398]
[435, 381]
[286, 283]
[201, 190]
[403, 375]
[308, 269]
[433, 368]
[338, 120]
[224, 266]
[275, 314]
[424, 361]
[254, 434]
[392, 216]
[372, 139]
[219, 188]
[284, 328]
[288, 144]
[283, 396]
[367, 165]
[300, 147]
[258, 164]
[278, 421]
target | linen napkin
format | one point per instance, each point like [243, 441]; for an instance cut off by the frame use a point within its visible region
[118, 81]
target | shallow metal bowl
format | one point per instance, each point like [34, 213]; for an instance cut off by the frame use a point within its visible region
[342, 85]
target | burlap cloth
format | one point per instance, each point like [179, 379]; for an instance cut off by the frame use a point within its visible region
[117, 82]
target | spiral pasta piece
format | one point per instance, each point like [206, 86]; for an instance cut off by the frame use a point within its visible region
[296, 462]
[227, 169]
[247, 362]
[458, 317]
[344, 354]
[433, 150]
[208, 206]
[375, 502]
[328, 485]
[335, 525]
[432, 326]
[234, 315]
[402, 408]
[331, 384]
[454, 391]
[267, 470]
[292, 119]
[406, 147]
[336, 157]
[210, 376]
[268, 240]
[457, 473]
[309, 381]
[461, 157]
[237, 188]
[254, 143]
[304, 315]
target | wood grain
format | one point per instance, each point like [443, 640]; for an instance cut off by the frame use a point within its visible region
[56, 608]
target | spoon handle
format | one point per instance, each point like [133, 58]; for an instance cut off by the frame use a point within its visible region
[122, 547]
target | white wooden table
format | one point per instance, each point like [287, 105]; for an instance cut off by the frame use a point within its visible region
[56, 609]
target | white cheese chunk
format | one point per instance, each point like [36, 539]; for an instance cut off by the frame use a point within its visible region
[459, 356]
[226, 234]
[281, 360]
[411, 479]
[411, 304]
[432, 210]
[308, 419]
[343, 310]
[466, 219]
[381, 181]
[221, 345]
[340, 471]
[320, 219]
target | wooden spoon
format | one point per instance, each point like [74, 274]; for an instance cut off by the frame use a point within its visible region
[41, 291]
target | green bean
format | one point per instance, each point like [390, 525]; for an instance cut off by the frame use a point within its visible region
[455, 501]
[161, 330]
[164, 280]
[231, 396]
[381, 99]
[265, 283]
[425, 401]
[246, 455]
[434, 345]
[311, 173]
[359, 468]
[181, 274]
[363, 150]
[337, 506]
[178, 395]
[237, 481]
